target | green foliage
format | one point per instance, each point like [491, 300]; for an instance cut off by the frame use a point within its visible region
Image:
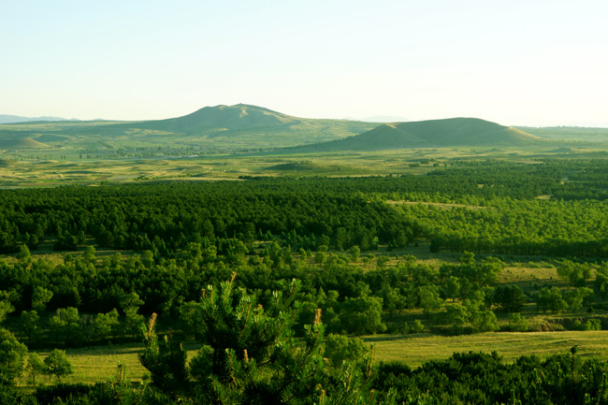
[250, 355]
[12, 355]
[24, 253]
[362, 315]
[551, 299]
[574, 273]
[600, 284]
[5, 309]
[339, 348]
[429, 298]
[35, 367]
[29, 323]
[484, 321]
[130, 304]
[517, 323]
[417, 326]
[511, 298]
[104, 324]
[578, 297]
[58, 364]
[40, 297]
[65, 325]
[485, 379]
[456, 316]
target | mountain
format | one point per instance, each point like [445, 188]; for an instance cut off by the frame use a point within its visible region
[433, 133]
[13, 119]
[221, 127]
[233, 117]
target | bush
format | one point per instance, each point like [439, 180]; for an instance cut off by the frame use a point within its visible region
[417, 327]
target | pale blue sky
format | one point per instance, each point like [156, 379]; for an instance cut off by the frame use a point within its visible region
[514, 62]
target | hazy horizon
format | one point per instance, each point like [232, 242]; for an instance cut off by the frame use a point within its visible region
[519, 63]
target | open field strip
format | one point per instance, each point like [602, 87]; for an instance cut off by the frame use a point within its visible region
[416, 349]
[96, 364]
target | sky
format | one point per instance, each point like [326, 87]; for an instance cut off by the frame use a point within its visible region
[533, 63]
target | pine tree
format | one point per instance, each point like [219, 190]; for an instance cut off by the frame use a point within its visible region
[250, 355]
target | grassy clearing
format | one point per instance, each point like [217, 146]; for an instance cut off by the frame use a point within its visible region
[417, 349]
[97, 364]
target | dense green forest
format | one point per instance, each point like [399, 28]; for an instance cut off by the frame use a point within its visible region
[311, 260]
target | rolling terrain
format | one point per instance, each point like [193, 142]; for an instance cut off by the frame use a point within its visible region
[577, 134]
[433, 133]
[228, 127]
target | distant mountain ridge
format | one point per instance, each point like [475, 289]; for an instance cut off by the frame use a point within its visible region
[15, 119]
[248, 127]
[240, 126]
[432, 133]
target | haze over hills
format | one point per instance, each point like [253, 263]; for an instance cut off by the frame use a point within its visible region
[238, 126]
[243, 127]
[433, 133]
[13, 119]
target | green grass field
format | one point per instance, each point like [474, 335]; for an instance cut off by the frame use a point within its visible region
[417, 349]
[100, 363]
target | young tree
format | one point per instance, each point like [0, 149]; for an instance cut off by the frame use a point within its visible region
[104, 323]
[362, 315]
[35, 367]
[456, 317]
[339, 348]
[576, 298]
[511, 298]
[5, 309]
[485, 321]
[29, 323]
[574, 273]
[130, 304]
[24, 253]
[12, 355]
[250, 355]
[551, 298]
[58, 364]
[417, 326]
[65, 322]
[40, 298]
[518, 323]
[429, 298]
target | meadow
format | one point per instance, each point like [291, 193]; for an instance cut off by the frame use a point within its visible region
[100, 363]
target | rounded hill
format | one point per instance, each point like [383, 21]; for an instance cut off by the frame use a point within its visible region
[433, 133]
[226, 117]
[21, 143]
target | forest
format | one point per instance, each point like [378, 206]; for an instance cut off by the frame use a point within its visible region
[278, 278]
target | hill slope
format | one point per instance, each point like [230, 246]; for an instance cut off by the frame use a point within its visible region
[228, 117]
[434, 133]
[22, 143]
[227, 127]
